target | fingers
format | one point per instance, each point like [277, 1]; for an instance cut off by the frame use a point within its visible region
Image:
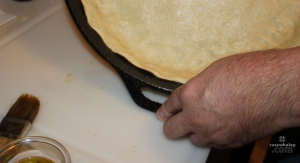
[179, 125]
[176, 126]
[170, 107]
[178, 110]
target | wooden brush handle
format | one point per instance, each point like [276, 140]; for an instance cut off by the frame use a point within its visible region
[7, 155]
[4, 141]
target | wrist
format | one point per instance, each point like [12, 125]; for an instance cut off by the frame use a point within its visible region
[292, 105]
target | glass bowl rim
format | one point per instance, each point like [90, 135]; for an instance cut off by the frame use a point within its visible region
[40, 139]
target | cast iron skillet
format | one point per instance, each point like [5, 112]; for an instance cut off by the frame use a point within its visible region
[133, 77]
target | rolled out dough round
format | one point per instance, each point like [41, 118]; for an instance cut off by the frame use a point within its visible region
[177, 39]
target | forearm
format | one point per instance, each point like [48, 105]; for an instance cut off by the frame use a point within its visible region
[268, 84]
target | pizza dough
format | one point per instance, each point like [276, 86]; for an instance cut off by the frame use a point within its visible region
[175, 40]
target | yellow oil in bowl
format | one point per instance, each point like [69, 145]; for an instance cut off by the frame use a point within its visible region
[35, 159]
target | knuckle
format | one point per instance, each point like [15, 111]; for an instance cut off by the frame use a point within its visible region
[186, 94]
[195, 120]
[209, 94]
[169, 108]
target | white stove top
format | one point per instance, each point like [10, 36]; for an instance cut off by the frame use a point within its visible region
[84, 103]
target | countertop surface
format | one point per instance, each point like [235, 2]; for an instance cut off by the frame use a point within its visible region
[84, 103]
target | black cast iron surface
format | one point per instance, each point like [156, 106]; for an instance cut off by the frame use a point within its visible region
[133, 77]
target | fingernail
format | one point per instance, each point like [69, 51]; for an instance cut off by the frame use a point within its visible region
[160, 115]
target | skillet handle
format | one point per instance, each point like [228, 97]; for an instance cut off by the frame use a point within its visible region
[134, 87]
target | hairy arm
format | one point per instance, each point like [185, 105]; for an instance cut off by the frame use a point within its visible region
[237, 100]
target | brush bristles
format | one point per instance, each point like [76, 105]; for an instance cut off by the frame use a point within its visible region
[26, 107]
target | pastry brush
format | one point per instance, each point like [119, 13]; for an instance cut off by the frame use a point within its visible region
[19, 118]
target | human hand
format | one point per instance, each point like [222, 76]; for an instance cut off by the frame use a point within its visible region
[236, 100]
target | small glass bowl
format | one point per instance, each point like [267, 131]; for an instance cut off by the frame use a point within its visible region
[34, 146]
